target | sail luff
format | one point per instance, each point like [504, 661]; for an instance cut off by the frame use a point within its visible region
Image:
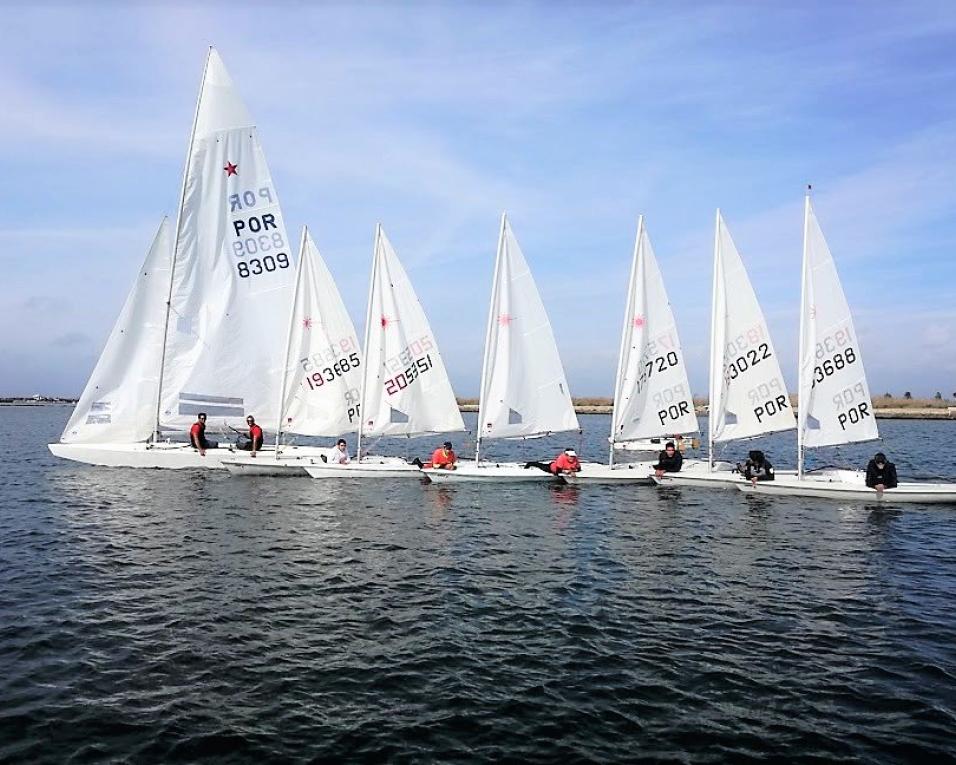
[179, 221]
[626, 332]
[714, 393]
[369, 366]
[803, 392]
[300, 267]
[485, 362]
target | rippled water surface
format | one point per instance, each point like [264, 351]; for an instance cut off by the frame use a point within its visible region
[152, 616]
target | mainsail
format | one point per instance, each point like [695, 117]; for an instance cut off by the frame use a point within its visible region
[323, 374]
[524, 392]
[835, 406]
[406, 390]
[119, 402]
[748, 396]
[652, 395]
[233, 271]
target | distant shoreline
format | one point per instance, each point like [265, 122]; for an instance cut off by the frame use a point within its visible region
[941, 411]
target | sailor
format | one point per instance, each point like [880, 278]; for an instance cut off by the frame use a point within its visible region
[668, 461]
[338, 454]
[255, 436]
[444, 457]
[566, 462]
[757, 467]
[197, 435]
[880, 473]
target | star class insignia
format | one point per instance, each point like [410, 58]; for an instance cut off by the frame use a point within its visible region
[638, 322]
[231, 169]
[506, 319]
[307, 322]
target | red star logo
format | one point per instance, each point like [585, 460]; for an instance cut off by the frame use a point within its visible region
[505, 319]
[231, 169]
[307, 322]
[638, 322]
[385, 321]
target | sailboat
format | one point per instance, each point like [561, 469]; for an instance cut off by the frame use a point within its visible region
[321, 377]
[524, 392]
[405, 389]
[835, 407]
[748, 395]
[652, 396]
[211, 345]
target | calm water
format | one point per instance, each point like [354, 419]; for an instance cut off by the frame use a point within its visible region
[157, 616]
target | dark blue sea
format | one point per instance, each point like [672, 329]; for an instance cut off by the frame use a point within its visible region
[154, 616]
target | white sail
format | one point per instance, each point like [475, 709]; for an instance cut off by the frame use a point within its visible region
[406, 390]
[652, 396]
[233, 272]
[323, 374]
[748, 396]
[119, 401]
[524, 392]
[835, 406]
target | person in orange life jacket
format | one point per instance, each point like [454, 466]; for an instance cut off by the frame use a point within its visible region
[566, 462]
[668, 461]
[444, 457]
[255, 436]
[197, 435]
[881, 473]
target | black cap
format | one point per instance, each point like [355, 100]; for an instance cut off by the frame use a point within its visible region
[879, 457]
[447, 444]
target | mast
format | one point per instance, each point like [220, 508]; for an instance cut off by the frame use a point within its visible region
[628, 318]
[491, 318]
[368, 334]
[172, 265]
[713, 350]
[801, 424]
[288, 339]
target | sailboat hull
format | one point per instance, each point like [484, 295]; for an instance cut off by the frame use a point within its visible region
[490, 472]
[837, 489]
[369, 467]
[167, 455]
[625, 472]
[267, 465]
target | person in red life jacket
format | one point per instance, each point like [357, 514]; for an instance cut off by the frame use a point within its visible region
[255, 436]
[197, 435]
[444, 457]
[566, 462]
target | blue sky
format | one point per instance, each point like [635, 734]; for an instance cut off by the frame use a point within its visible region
[433, 118]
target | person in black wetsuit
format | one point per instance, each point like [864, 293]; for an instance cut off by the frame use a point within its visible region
[756, 468]
[881, 473]
[668, 461]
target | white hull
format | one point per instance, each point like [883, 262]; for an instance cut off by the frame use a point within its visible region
[168, 455]
[490, 472]
[836, 488]
[698, 473]
[267, 465]
[369, 467]
[624, 472]
[655, 445]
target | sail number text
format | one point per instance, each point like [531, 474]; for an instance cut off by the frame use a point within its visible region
[411, 373]
[328, 374]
